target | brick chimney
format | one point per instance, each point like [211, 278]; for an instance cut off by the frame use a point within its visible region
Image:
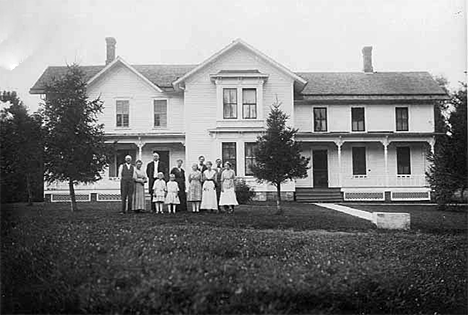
[110, 43]
[367, 59]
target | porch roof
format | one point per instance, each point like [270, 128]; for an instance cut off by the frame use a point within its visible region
[365, 136]
[141, 138]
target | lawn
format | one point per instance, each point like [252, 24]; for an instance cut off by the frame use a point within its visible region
[426, 218]
[311, 260]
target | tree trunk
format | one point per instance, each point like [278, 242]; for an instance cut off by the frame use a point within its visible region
[72, 196]
[29, 189]
[278, 199]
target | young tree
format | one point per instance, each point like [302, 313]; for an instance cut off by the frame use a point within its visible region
[74, 142]
[278, 155]
[448, 171]
[21, 148]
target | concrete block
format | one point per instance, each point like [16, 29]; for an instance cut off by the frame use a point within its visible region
[260, 196]
[391, 220]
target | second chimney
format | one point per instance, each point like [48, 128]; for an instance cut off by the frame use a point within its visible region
[367, 59]
[110, 42]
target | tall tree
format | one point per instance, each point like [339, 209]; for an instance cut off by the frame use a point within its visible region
[448, 171]
[74, 141]
[21, 151]
[278, 155]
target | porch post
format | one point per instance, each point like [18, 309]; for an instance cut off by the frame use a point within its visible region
[140, 145]
[339, 143]
[385, 145]
[432, 144]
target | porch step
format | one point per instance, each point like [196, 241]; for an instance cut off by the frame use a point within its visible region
[319, 195]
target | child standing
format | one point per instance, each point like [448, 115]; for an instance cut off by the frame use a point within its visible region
[172, 198]
[159, 192]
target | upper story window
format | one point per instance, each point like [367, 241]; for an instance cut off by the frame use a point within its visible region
[229, 103]
[160, 113]
[401, 116]
[249, 103]
[359, 161]
[357, 119]
[320, 119]
[122, 113]
[403, 161]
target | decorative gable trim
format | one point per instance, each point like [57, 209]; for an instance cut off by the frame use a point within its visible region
[235, 43]
[128, 66]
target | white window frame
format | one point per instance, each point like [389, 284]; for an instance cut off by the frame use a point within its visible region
[351, 118]
[313, 118]
[395, 118]
[129, 112]
[167, 112]
[366, 156]
[239, 85]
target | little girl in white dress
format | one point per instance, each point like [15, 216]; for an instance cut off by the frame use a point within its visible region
[159, 192]
[172, 197]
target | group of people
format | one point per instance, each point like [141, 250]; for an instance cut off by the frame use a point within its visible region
[209, 188]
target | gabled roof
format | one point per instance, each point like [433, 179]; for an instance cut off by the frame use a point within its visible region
[377, 83]
[160, 75]
[120, 60]
[236, 43]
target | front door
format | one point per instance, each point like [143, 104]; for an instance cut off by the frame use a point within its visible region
[164, 157]
[320, 168]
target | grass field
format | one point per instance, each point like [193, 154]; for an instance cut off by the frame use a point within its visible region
[311, 260]
[427, 218]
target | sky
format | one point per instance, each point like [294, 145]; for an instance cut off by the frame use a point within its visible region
[303, 35]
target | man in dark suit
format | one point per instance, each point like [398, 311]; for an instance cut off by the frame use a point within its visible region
[179, 173]
[152, 170]
[201, 164]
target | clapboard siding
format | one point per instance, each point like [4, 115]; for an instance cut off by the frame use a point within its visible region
[121, 83]
[378, 117]
[201, 99]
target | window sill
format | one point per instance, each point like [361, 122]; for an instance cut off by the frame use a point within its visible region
[359, 176]
[123, 128]
[404, 176]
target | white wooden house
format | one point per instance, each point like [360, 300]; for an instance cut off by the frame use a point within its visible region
[367, 133]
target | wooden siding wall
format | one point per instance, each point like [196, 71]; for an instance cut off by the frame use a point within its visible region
[201, 103]
[378, 117]
[122, 84]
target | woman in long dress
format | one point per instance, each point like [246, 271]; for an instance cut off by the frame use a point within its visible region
[195, 188]
[228, 195]
[209, 200]
[139, 176]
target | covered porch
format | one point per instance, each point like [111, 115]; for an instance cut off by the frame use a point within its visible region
[140, 147]
[368, 166]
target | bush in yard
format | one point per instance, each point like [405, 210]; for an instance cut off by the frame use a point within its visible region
[448, 171]
[244, 192]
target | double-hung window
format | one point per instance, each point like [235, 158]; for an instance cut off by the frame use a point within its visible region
[229, 153]
[320, 119]
[230, 103]
[249, 157]
[160, 113]
[401, 116]
[359, 161]
[122, 111]
[249, 103]
[403, 161]
[357, 119]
